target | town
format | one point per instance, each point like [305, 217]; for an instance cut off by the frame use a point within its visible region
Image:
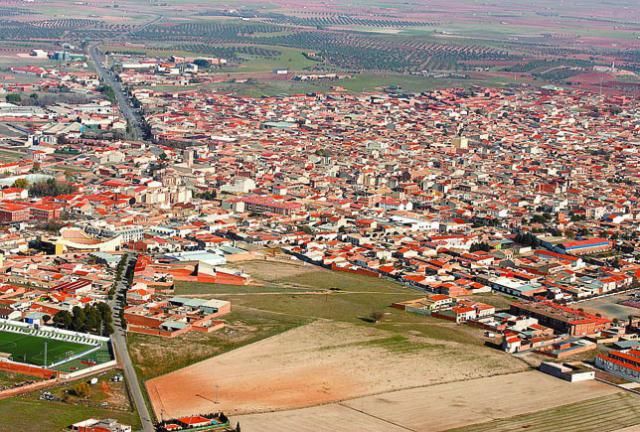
[175, 256]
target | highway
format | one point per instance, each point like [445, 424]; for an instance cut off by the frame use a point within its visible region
[119, 343]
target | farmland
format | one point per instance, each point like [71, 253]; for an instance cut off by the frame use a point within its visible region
[445, 406]
[376, 40]
[607, 413]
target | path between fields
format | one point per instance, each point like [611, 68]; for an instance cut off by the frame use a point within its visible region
[327, 293]
[375, 417]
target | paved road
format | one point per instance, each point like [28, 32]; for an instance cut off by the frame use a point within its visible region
[119, 343]
[133, 117]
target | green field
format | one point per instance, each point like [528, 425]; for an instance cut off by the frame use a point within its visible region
[193, 288]
[9, 379]
[28, 413]
[30, 349]
[365, 82]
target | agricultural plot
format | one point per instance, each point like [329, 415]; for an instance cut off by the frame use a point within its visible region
[31, 349]
[450, 405]
[346, 50]
[344, 20]
[221, 31]
[15, 30]
[604, 414]
[13, 11]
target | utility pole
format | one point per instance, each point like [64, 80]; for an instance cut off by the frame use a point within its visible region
[45, 353]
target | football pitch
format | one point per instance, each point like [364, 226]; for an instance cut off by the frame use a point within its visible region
[30, 349]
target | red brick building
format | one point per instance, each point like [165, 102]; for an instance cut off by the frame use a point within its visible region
[562, 318]
[12, 213]
[46, 211]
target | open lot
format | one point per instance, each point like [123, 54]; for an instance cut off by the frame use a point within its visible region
[10, 379]
[320, 363]
[31, 349]
[439, 407]
[340, 354]
[273, 271]
[106, 399]
[609, 306]
[154, 356]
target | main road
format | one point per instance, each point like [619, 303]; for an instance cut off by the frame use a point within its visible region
[133, 117]
[119, 343]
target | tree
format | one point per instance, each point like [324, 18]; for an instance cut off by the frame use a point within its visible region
[63, 319]
[50, 187]
[202, 63]
[538, 218]
[108, 92]
[81, 390]
[79, 319]
[107, 330]
[21, 183]
[13, 98]
[93, 321]
[480, 247]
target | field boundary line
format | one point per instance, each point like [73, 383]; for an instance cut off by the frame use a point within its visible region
[376, 417]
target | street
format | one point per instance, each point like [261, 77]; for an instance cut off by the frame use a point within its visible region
[119, 343]
[134, 119]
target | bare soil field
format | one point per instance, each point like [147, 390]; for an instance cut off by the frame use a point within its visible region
[269, 271]
[320, 363]
[436, 408]
[603, 414]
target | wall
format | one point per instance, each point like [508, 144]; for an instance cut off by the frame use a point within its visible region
[25, 369]
[359, 271]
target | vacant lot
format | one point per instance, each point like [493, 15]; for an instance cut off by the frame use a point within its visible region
[273, 271]
[208, 289]
[155, 356]
[10, 379]
[438, 407]
[609, 306]
[104, 400]
[343, 354]
[319, 363]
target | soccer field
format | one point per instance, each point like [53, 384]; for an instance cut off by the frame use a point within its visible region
[30, 349]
